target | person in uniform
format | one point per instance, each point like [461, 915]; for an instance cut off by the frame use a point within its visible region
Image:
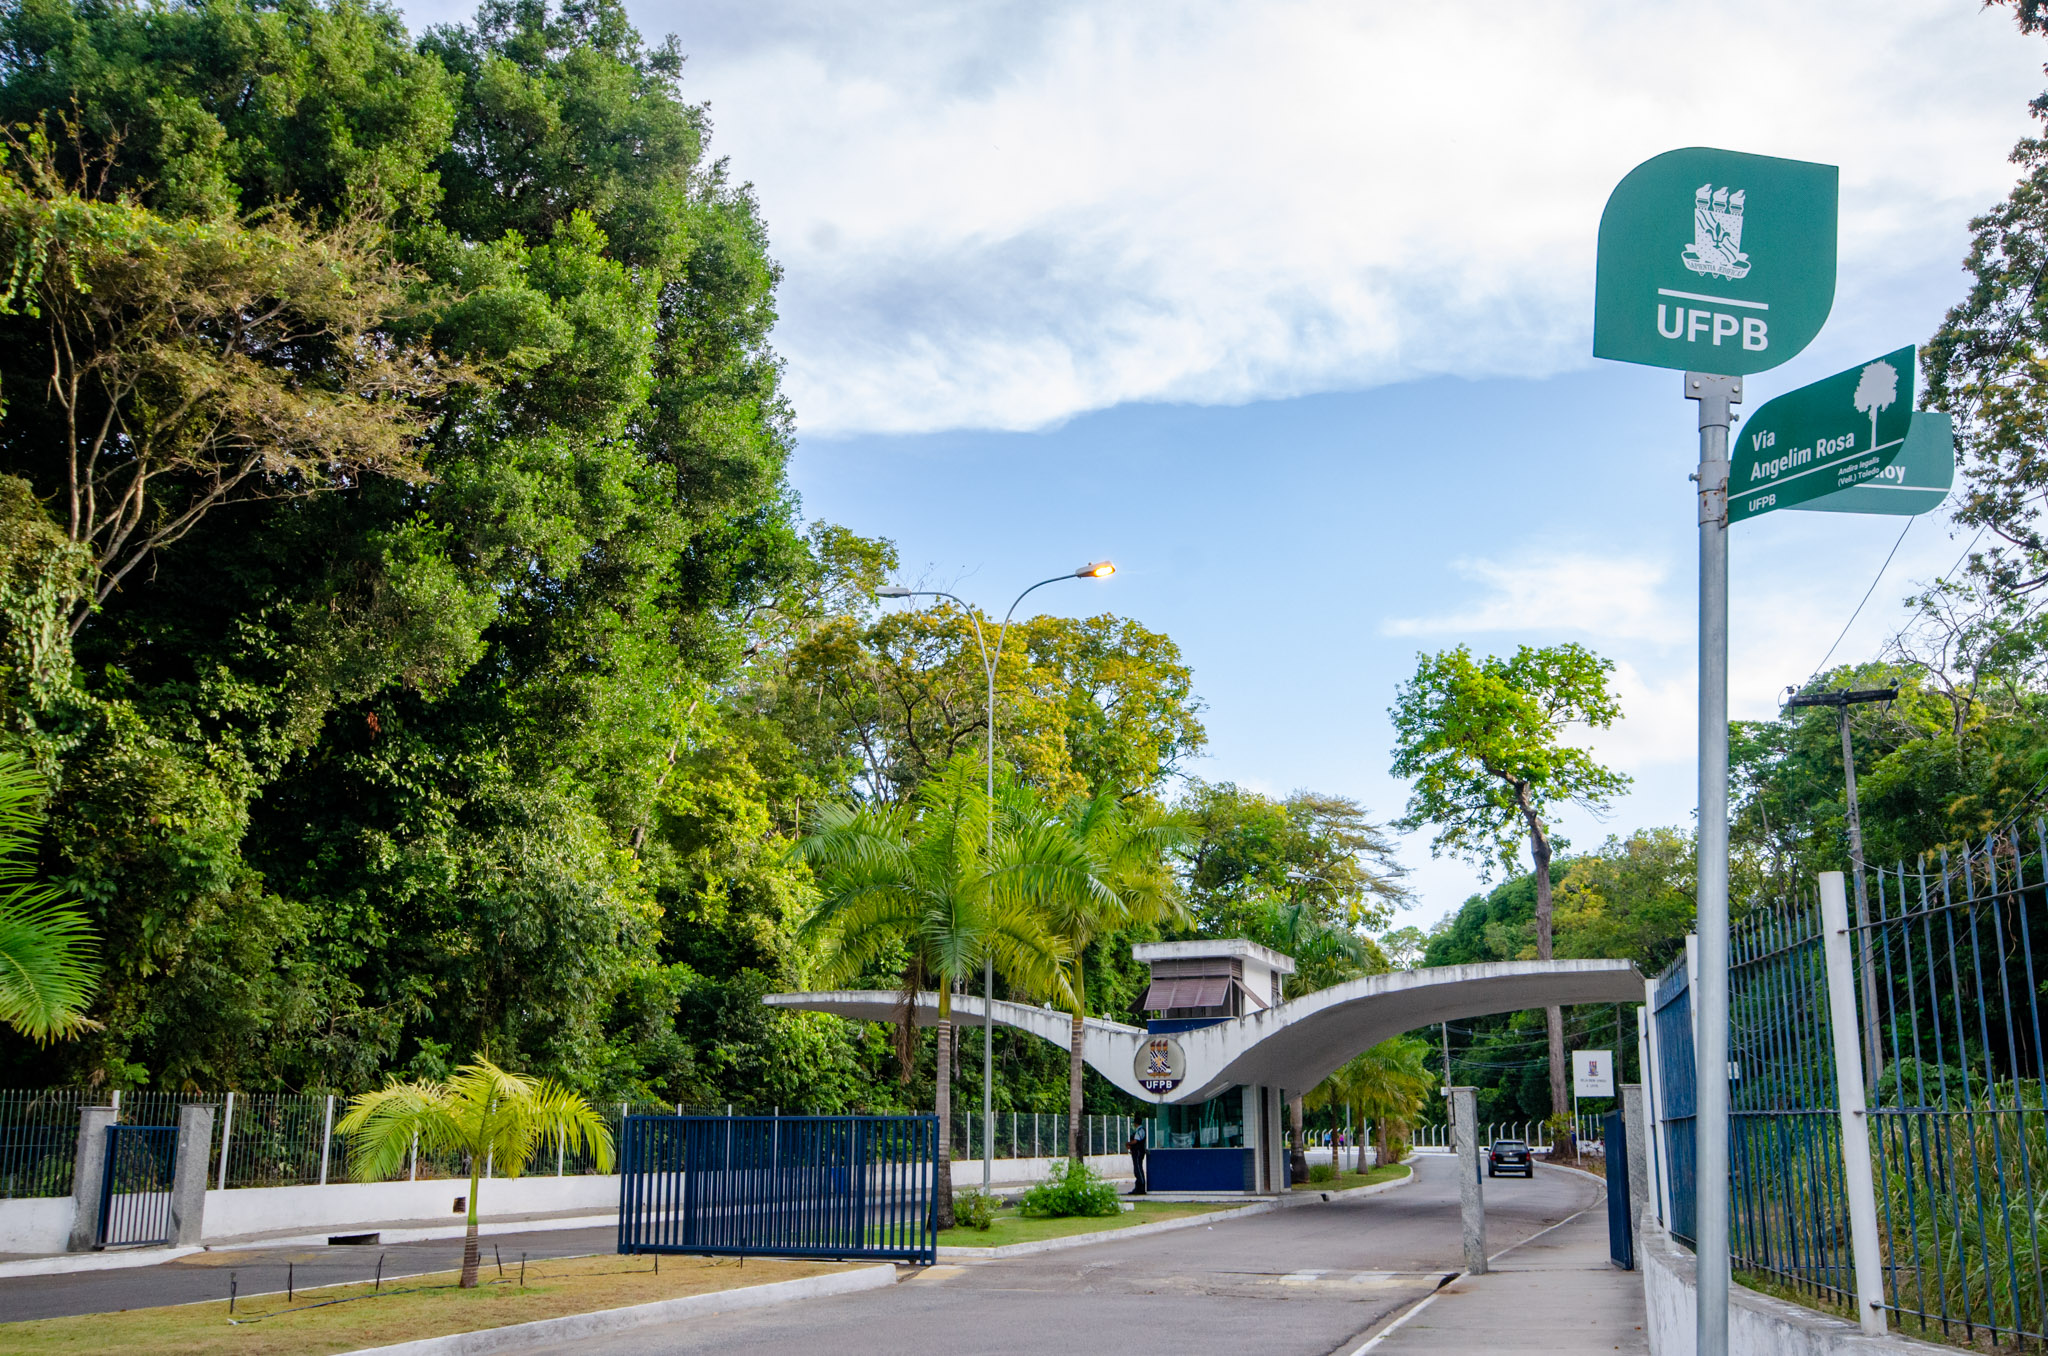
[1136, 1145]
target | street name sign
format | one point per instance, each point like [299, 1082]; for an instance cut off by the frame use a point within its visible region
[1836, 433]
[1918, 480]
[1715, 261]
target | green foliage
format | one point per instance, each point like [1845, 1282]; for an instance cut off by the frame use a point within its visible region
[1632, 899]
[1073, 1188]
[47, 968]
[975, 1209]
[1388, 1085]
[1483, 743]
[1322, 1172]
[481, 1112]
[1250, 858]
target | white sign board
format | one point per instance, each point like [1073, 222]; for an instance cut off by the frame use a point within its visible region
[1592, 1073]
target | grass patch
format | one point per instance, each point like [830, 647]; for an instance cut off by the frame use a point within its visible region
[419, 1306]
[1344, 1181]
[1012, 1228]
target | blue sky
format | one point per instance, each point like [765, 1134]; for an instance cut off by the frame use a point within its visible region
[1287, 309]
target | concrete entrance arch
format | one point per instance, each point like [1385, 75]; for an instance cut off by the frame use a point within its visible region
[1219, 1073]
[1295, 1044]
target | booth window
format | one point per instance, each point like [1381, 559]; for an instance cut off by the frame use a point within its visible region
[1215, 1124]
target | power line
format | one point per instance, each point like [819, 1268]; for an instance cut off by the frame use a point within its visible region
[1821, 667]
[2011, 332]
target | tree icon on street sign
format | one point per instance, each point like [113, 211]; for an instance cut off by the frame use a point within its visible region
[1876, 390]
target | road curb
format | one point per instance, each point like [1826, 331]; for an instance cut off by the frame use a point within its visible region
[1313, 1197]
[62, 1264]
[575, 1327]
[1101, 1235]
[65, 1263]
[1164, 1225]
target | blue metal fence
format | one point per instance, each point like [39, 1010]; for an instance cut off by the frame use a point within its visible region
[1787, 1196]
[784, 1186]
[1948, 979]
[1677, 1101]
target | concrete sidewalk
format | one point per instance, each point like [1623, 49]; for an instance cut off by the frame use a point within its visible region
[1555, 1293]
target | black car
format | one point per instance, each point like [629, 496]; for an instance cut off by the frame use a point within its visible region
[1509, 1155]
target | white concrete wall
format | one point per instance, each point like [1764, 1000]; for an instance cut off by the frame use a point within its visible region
[41, 1225]
[38, 1225]
[1757, 1324]
[1015, 1172]
[342, 1205]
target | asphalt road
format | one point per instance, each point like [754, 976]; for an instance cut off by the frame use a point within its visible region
[1310, 1280]
[204, 1276]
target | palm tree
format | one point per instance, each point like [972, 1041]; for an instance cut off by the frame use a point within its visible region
[1326, 952]
[1387, 1085]
[46, 943]
[1097, 866]
[482, 1111]
[917, 888]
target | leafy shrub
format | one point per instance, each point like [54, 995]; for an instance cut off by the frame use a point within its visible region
[1073, 1189]
[974, 1210]
[1322, 1172]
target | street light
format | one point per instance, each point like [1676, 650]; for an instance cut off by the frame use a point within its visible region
[1100, 569]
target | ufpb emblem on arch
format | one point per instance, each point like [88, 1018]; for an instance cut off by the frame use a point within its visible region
[1161, 1065]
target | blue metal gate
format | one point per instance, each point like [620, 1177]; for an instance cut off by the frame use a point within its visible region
[784, 1186]
[135, 1185]
[1621, 1231]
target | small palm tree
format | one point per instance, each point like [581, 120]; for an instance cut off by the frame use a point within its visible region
[491, 1116]
[1326, 952]
[1097, 866]
[46, 942]
[919, 888]
[1387, 1085]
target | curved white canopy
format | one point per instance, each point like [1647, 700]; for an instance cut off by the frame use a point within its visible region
[1294, 1045]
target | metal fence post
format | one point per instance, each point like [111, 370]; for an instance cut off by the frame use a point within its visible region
[1857, 1184]
[327, 1140]
[227, 1130]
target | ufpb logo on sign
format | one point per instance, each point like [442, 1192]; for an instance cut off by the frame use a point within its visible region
[1715, 261]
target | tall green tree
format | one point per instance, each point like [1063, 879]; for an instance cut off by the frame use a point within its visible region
[1098, 865]
[383, 756]
[1483, 742]
[920, 888]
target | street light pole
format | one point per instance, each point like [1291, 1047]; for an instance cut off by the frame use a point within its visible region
[1100, 569]
[1842, 701]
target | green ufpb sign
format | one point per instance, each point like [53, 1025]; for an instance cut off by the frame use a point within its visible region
[1835, 434]
[1715, 261]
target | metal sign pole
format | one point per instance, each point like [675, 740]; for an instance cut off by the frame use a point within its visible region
[1716, 395]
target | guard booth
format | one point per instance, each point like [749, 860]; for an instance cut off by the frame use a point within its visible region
[1211, 1145]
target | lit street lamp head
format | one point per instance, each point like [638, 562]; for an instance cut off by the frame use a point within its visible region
[1101, 569]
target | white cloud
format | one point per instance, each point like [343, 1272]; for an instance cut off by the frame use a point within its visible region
[1000, 216]
[1605, 597]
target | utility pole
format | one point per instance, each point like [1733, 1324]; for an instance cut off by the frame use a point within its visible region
[1842, 701]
